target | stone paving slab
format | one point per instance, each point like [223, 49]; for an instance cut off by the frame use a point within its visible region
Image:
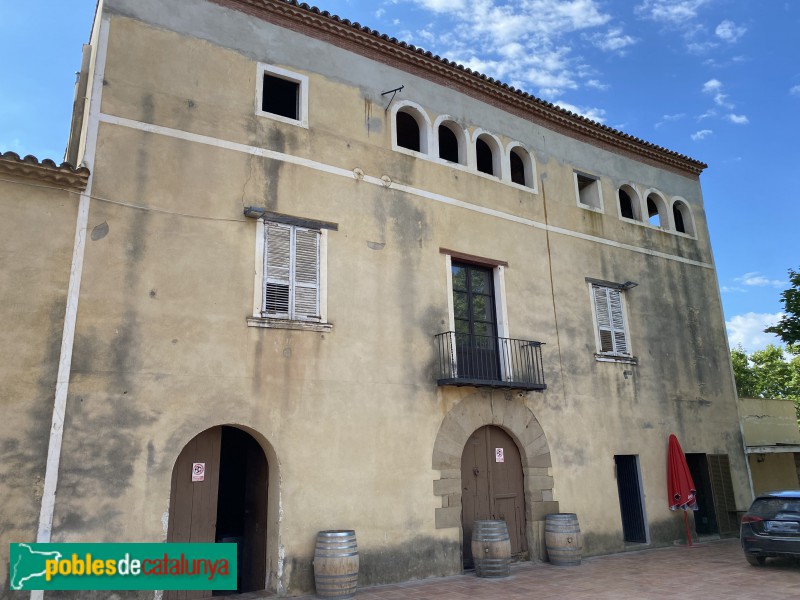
[704, 572]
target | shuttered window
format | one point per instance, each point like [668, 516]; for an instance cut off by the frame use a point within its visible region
[611, 333]
[291, 269]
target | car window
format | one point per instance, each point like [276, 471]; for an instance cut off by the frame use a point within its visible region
[769, 507]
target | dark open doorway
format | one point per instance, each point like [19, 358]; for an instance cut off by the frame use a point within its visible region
[229, 505]
[634, 526]
[705, 517]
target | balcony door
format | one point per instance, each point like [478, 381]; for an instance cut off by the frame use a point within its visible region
[475, 322]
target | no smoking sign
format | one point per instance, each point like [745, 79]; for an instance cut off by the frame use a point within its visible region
[198, 471]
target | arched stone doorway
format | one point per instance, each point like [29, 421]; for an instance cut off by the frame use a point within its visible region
[228, 505]
[497, 408]
[492, 488]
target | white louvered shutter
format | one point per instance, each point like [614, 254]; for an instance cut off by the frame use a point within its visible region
[277, 269]
[618, 322]
[306, 275]
[610, 320]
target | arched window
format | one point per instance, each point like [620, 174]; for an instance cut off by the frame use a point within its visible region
[656, 211]
[517, 168]
[408, 131]
[629, 207]
[487, 155]
[449, 147]
[521, 166]
[682, 217]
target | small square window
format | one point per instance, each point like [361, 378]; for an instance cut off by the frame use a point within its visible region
[588, 192]
[282, 95]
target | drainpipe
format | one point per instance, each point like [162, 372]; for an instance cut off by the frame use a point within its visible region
[71, 315]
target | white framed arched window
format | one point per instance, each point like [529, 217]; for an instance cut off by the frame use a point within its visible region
[657, 215]
[411, 127]
[682, 218]
[488, 158]
[522, 169]
[629, 203]
[451, 140]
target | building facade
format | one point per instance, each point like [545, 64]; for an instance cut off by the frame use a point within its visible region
[368, 289]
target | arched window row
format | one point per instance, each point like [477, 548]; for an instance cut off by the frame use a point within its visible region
[447, 141]
[653, 208]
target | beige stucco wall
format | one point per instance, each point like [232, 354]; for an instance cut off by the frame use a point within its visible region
[36, 235]
[773, 471]
[351, 419]
[767, 422]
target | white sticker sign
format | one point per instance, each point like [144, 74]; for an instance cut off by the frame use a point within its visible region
[498, 455]
[198, 471]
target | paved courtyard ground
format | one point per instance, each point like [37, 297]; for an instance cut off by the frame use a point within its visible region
[704, 572]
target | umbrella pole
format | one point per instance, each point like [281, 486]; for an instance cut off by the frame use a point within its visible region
[688, 533]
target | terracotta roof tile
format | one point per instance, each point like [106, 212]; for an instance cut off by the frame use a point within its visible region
[47, 171]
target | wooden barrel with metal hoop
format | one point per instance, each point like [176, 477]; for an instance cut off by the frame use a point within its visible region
[491, 549]
[562, 536]
[336, 564]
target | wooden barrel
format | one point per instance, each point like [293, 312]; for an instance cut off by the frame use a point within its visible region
[562, 536]
[336, 564]
[491, 549]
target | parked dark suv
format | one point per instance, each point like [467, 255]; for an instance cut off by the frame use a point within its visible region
[772, 527]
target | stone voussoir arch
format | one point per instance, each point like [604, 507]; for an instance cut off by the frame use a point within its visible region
[493, 408]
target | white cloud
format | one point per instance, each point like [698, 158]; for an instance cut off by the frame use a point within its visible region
[756, 279]
[747, 330]
[722, 100]
[712, 85]
[729, 31]
[526, 43]
[700, 47]
[795, 91]
[701, 135]
[597, 85]
[595, 114]
[379, 13]
[738, 119]
[676, 117]
[442, 5]
[613, 40]
[670, 12]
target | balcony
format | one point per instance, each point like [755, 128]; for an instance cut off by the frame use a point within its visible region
[484, 361]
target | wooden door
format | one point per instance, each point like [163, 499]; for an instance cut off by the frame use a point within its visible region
[492, 487]
[193, 504]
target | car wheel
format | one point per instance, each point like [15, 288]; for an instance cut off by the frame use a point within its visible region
[756, 560]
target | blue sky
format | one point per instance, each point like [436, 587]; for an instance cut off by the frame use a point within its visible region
[718, 80]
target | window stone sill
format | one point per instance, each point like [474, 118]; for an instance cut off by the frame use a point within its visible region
[616, 358]
[288, 324]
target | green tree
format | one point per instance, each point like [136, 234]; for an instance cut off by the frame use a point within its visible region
[767, 374]
[788, 328]
[746, 385]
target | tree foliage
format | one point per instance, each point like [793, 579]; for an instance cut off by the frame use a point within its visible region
[767, 374]
[788, 328]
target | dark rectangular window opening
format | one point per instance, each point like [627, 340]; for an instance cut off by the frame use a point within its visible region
[280, 97]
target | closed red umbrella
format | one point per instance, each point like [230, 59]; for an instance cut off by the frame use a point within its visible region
[680, 486]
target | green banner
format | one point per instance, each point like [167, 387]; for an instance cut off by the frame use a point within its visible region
[123, 567]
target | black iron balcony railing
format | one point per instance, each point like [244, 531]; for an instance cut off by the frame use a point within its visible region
[489, 361]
